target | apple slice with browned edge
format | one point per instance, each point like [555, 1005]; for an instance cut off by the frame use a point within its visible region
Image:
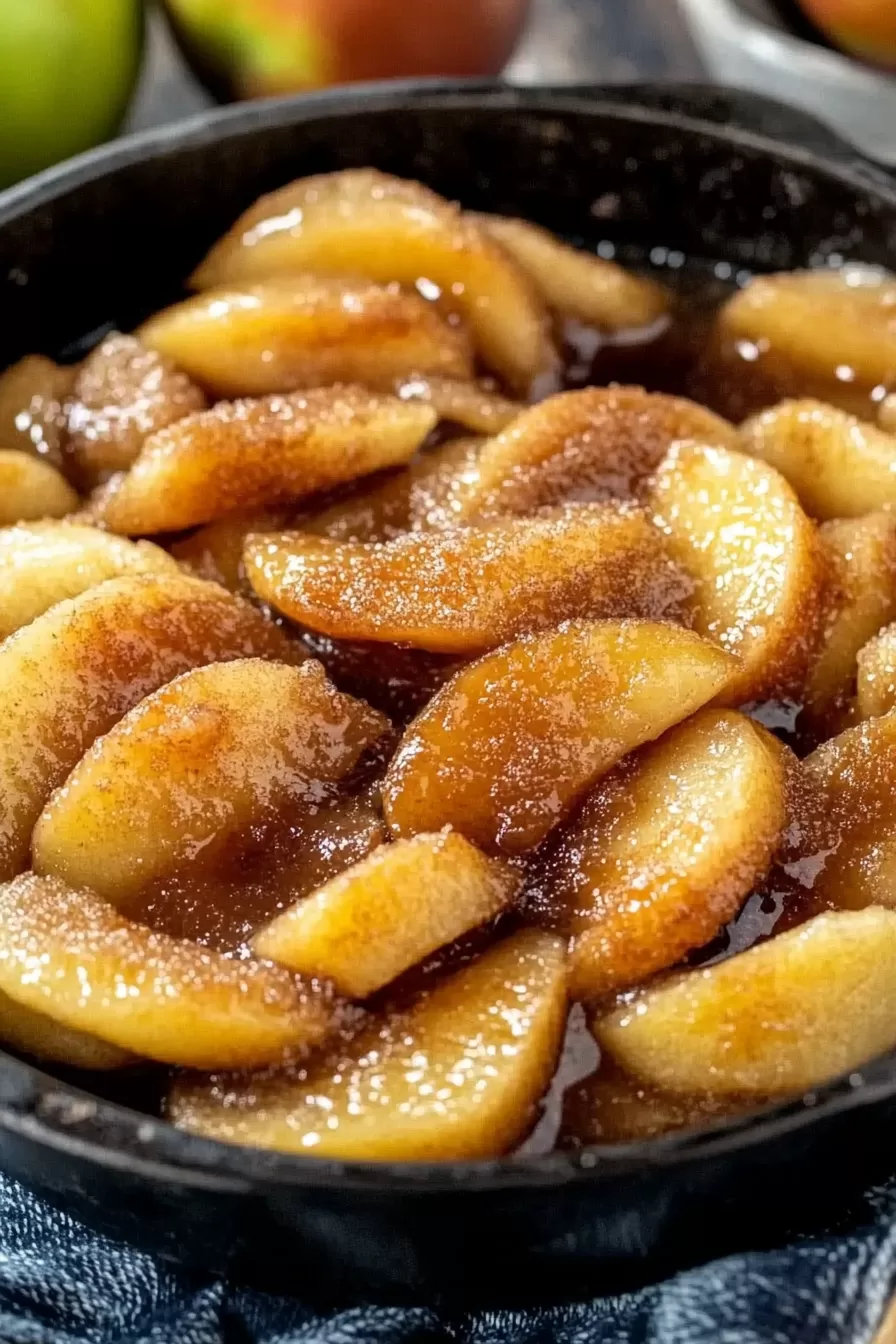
[366, 223]
[787, 1015]
[68, 954]
[504, 751]
[456, 1076]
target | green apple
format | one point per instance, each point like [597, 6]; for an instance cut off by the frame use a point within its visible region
[67, 70]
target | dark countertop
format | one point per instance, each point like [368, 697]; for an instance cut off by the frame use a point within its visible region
[567, 40]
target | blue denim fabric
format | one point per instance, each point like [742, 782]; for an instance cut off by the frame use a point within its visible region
[60, 1284]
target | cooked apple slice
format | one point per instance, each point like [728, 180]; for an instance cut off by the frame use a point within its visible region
[426, 495]
[576, 283]
[736, 527]
[470, 588]
[787, 1015]
[829, 333]
[32, 407]
[666, 849]
[612, 1107]
[43, 563]
[31, 488]
[473, 406]
[839, 466]
[252, 454]
[35, 1034]
[123, 393]
[196, 766]
[504, 751]
[860, 598]
[70, 955]
[459, 1075]
[295, 331]
[876, 685]
[389, 911]
[73, 672]
[598, 443]
[215, 551]
[362, 222]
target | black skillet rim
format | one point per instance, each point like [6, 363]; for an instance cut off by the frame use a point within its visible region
[36, 1106]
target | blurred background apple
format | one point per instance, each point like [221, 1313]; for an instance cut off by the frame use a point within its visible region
[67, 71]
[865, 28]
[251, 48]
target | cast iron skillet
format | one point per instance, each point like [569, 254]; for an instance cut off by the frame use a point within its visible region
[108, 238]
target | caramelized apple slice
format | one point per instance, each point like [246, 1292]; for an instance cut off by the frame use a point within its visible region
[35, 1034]
[31, 488]
[845, 847]
[251, 454]
[735, 526]
[598, 443]
[73, 672]
[509, 745]
[389, 912]
[123, 393]
[32, 407]
[839, 466]
[195, 767]
[459, 1075]
[612, 1107]
[427, 495]
[471, 405]
[43, 563]
[829, 332]
[787, 1015]
[295, 331]
[469, 589]
[362, 222]
[876, 685]
[215, 552]
[576, 283]
[860, 597]
[69, 955]
[666, 849]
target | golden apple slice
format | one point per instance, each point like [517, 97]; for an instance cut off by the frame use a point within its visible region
[35, 1034]
[459, 1075]
[666, 849]
[196, 766]
[469, 588]
[829, 333]
[860, 598]
[32, 407]
[252, 454]
[31, 488]
[473, 406]
[504, 751]
[389, 911]
[598, 443]
[68, 954]
[574, 282]
[876, 685]
[123, 393]
[295, 331]
[736, 527]
[787, 1015]
[612, 1107]
[73, 672]
[427, 495]
[839, 466]
[362, 222]
[44, 563]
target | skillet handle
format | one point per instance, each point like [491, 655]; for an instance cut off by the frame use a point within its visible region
[750, 112]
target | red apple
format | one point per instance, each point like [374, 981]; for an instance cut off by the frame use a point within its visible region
[250, 48]
[865, 28]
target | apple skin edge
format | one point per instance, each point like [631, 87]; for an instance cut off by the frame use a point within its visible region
[68, 69]
[254, 48]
